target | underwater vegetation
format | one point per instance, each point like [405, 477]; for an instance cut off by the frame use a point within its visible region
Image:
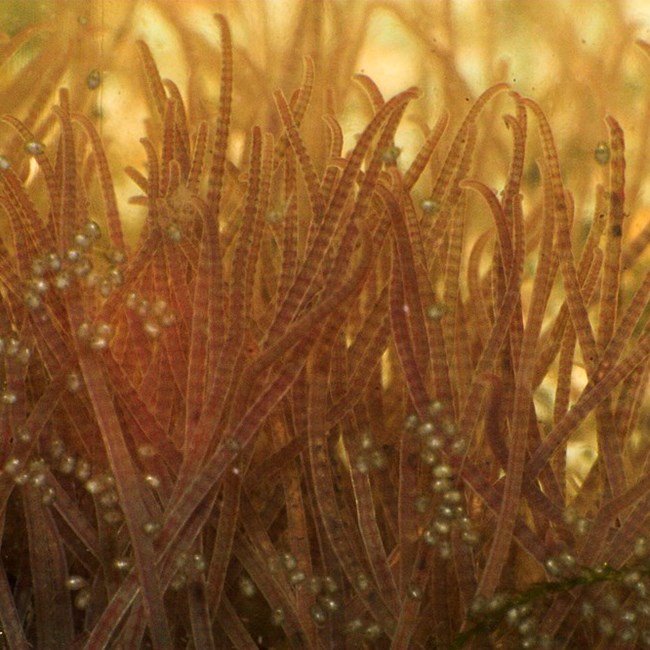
[310, 364]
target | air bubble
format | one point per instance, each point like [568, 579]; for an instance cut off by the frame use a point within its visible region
[152, 481]
[24, 355]
[354, 626]
[247, 587]
[12, 347]
[362, 582]
[8, 397]
[13, 465]
[53, 261]
[435, 312]
[378, 459]
[48, 496]
[317, 614]
[442, 471]
[92, 230]
[329, 603]
[32, 300]
[82, 600]
[116, 277]
[297, 576]
[83, 469]
[152, 329]
[602, 153]
[289, 561]
[151, 528]
[429, 206]
[81, 241]
[117, 256]
[62, 280]
[34, 148]
[83, 267]
[67, 464]
[74, 583]
[277, 617]
[93, 80]
[4, 163]
[174, 233]
[109, 499]
[38, 267]
[73, 382]
[98, 343]
[112, 517]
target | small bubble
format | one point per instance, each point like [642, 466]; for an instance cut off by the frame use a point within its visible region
[116, 256]
[8, 397]
[297, 576]
[372, 632]
[442, 471]
[151, 528]
[53, 261]
[429, 206]
[411, 422]
[429, 457]
[82, 600]
[277, 617]
[13, 465]
[289, 561]
[62, 280]
[83, 267]
[4, 163]
[329, 603]
[34, 148]
[98, 343]
[38, 267]
[72, 255]
[83, 469]
[152, 481]
[199, 563]
[147, 451]
[12, 347]
[32, 300]
[174, 233]
[81, 241]
[378, 459]
[74, 583]
[24, 355]
[390, 155]
[92, 230]
[330, 585]
[247, 587]
[73, 382]
[48, 496]
[435, 312]
[93, 80]
[317, 614]
[423, 503]
[362, 582]
[84, 331]
[109, 499]
[67, 464]
[354, 626]
[602, 153]
[152, 329]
